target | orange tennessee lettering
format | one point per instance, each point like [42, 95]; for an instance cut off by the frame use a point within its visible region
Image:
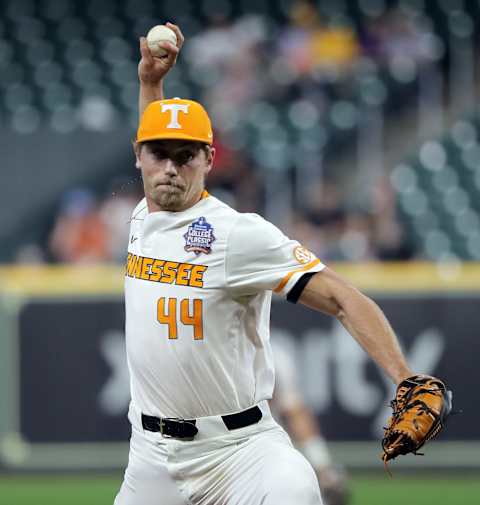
[129, 262]
[182, 274]
[131, 265]
[145, 275]
[169, 272]
[196, 276]
[156, 270]
[138, 267]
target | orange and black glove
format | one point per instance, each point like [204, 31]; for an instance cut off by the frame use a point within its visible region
[420, 409]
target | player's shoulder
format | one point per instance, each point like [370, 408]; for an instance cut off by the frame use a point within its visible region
[221, 210]
[250, 230]
[240, 221]
[252, 219]
[241, 226]
[251, 222]
[219, 205]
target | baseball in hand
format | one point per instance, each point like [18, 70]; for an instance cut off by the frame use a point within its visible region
[160, 33]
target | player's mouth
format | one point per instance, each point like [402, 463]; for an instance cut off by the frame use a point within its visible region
[169, 185]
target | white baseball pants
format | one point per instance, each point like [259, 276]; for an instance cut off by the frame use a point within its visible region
[255, 465]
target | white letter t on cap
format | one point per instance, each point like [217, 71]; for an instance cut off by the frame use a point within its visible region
[174, 109]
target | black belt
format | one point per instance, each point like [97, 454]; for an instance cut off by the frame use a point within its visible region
[185, 428]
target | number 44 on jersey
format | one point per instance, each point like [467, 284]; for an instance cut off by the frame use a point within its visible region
[190, 315]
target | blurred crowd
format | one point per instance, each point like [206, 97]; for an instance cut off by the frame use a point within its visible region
[313, 58]
[253, 79]
[88, 229]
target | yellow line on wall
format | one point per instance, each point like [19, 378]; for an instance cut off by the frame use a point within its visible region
[408, 277]
[62, 280]
[87, 280]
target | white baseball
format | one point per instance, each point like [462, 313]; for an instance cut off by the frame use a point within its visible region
[160, 33]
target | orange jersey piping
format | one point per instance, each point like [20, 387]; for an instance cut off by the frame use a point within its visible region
[284, 281]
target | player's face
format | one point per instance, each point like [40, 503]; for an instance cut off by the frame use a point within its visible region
[173, 173]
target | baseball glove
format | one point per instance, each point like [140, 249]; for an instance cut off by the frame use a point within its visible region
[420, 409]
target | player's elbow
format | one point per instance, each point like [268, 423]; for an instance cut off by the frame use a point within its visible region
[340, 314]
[351, 300]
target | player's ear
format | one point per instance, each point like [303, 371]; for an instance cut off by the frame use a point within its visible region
[210, 154]
[136, 149]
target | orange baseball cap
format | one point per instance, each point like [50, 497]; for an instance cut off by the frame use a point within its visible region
[175, 119]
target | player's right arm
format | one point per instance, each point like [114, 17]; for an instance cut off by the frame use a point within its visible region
[327, 292]
[152, 71]
[260, 258]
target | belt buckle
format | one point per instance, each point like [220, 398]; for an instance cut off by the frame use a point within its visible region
[162, 421]
[177, 427]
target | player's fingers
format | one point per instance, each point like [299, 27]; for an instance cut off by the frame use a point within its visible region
[145, 51]
[178, 33]
[172, 52]
[169, 47]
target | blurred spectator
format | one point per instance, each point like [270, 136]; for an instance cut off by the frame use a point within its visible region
[391, 243]
[324, 205]
[236, 177]
[389, 236]
[310, 45]
[223, 40]
[356, 240]
[334, 232]
[225, 60]
[238, 87]
[79, 234]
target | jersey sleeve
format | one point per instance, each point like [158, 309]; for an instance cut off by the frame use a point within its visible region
[260, 257]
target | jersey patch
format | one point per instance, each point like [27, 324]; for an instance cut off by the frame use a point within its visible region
[302, 255]
[199, 237]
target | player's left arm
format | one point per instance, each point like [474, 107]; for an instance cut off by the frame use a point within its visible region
[152, 71]
[327, 292]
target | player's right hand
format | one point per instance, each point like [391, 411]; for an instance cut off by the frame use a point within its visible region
[152, 70]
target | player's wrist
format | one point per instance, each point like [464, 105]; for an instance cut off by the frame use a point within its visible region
[403, 374]
[152, 84]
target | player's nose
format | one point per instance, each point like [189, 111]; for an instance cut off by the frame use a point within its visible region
[170, 167]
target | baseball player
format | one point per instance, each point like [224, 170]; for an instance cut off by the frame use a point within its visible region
[289, 407]
[198, 285]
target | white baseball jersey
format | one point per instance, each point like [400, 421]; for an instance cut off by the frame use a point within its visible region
[198, 290]
[287, 392]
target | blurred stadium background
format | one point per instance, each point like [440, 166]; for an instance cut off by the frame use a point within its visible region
[351, 124]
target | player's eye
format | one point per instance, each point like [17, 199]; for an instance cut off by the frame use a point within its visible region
[183, 157]
[160, 154]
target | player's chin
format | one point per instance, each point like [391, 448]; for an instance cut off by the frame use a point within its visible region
[170, 200]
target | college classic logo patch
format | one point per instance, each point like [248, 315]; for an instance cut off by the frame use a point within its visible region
[199, 237]
[302, 255]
